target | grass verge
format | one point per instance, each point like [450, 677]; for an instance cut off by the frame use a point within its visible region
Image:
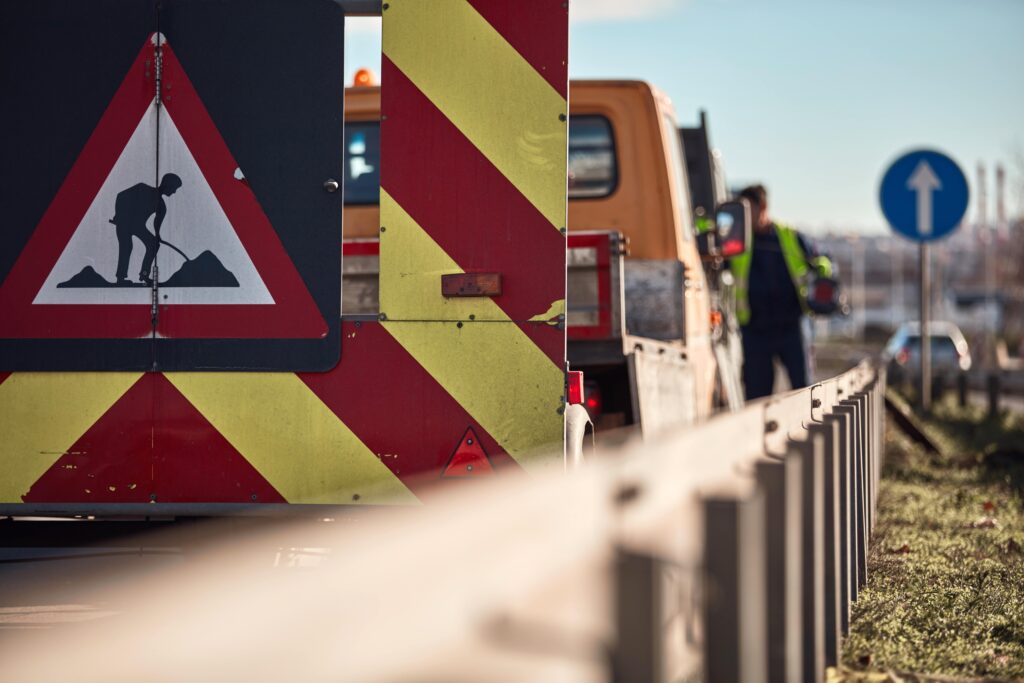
[945, 591]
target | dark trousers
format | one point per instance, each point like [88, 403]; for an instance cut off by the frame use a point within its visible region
[761, 347]
[125, 233]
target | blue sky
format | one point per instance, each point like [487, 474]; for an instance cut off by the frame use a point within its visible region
[815, 97]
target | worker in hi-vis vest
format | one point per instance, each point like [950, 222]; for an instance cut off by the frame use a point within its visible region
[772, 277]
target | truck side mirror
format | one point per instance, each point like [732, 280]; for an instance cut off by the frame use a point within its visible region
[733, 221]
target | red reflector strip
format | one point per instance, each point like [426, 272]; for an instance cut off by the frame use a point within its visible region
[575, 381]
[471, 284]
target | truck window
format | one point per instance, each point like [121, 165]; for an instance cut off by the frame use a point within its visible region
[675, 150]
[362, 162]
[593, 171]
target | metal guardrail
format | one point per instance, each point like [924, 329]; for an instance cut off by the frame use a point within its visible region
[772, 509]
[729, 551]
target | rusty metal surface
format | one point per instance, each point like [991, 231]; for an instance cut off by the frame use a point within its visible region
[471, 284]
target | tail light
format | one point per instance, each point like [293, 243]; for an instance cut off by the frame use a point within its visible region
[575, 388]
[592, 399]
[902, 357]
[732, 248]
[824, 291]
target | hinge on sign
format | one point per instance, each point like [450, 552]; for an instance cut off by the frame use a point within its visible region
[159, 59]
[154, 307]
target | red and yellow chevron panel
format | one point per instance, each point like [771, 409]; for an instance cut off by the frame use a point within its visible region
[473, 180]
[474, 104]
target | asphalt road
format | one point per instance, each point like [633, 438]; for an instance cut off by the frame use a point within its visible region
[47, 588]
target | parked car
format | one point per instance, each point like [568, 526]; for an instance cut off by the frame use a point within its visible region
[950, 353]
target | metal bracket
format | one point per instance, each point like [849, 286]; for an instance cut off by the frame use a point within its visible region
[816, 403]
[769, 427]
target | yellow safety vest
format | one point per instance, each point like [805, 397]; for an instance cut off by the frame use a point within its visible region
[796, 264]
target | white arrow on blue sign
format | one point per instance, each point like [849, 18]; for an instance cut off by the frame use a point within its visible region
[924, 195]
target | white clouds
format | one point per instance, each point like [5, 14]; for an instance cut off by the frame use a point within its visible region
[605, 10]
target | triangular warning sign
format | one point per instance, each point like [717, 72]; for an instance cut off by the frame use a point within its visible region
[156, 196]
[468, 459]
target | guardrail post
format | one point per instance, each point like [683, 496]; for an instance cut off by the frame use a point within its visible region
[865, 485]
[868, 437]
[811, 454]
[867, 452]
[877, 444]
[858, 548]
[832, 574]
[735, 640]
[880, 385]
[638, 619]
[867, 471]
[961, 389]
[842, 416]
[781, 481]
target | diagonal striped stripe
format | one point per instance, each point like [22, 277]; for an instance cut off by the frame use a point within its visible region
[415, 425]
[502, 379]
[410, 282]
[42, 414]
[465, 203]
[524, 388]
[412, 266]
[488, 90]
[286, 432]
[538, 32]
[152, 445]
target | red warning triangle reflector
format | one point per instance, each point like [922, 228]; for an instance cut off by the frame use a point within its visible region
[468, 459]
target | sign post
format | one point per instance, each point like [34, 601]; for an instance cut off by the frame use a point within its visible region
[926, 314]
[923, 196]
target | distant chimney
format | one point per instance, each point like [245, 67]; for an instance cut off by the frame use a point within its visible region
[1001, 223]
[981, 226]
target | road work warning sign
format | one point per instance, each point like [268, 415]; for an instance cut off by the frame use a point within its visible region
[179, 236]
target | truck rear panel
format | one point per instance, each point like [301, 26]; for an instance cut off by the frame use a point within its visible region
[428, 387]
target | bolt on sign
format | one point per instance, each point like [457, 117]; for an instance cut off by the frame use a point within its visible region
[165, 195]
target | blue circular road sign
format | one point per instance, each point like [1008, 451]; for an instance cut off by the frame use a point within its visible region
[924, 195]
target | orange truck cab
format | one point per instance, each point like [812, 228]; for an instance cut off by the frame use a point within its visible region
[638, 316]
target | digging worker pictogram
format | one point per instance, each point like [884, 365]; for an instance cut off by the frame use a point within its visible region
[132, 210]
